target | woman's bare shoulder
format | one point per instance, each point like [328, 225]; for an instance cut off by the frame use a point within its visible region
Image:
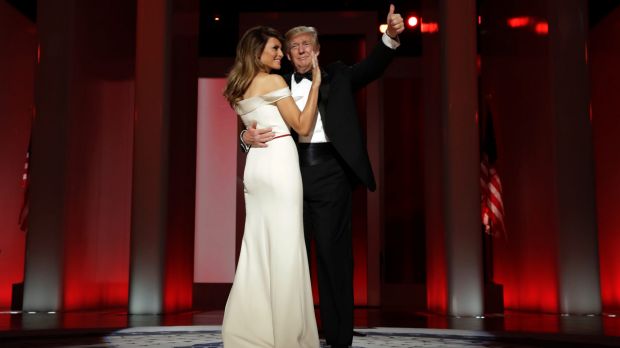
[265, 84]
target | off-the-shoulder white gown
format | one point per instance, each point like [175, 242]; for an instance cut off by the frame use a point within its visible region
[270, 304]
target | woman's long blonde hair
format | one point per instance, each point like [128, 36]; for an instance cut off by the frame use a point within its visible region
[247, 62]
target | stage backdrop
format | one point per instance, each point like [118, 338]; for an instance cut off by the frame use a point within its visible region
[216, 177]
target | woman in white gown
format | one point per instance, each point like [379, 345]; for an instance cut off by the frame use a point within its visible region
[270, 304]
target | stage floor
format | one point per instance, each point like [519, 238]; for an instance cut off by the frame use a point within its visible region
[379, 327]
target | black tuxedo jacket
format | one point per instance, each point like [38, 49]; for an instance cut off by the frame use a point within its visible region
[339, 83]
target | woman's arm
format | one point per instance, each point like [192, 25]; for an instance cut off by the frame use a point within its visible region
[301, 121]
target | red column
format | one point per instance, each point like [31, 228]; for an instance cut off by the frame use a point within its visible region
[437, 300]
[43, 271]
[78, 240]
[164, 157]
[461, 157]
[578, 264]
[603, 58]
[18, 37]
[454, 240]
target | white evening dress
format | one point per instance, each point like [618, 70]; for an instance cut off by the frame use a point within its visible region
[270, 303]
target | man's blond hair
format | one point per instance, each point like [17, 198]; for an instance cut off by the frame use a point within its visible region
[302, 29]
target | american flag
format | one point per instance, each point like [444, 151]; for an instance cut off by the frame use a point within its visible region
[492, 207]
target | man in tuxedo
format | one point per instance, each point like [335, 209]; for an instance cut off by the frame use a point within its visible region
[333, 160]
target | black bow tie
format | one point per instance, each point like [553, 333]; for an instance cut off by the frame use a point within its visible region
[298, 76]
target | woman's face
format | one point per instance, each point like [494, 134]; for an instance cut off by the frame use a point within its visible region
[272, 54]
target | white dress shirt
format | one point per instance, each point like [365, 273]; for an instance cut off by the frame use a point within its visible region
[300, 93]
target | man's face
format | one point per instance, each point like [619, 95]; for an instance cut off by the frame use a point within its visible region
[299, 52]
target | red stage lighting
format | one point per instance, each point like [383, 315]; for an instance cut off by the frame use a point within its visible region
[429, 28]
[541, 28]
[518, 22]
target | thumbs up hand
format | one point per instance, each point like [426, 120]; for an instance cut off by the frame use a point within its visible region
[395, 23]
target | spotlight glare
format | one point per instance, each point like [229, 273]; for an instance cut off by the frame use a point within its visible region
[383, 28]
[412, 21]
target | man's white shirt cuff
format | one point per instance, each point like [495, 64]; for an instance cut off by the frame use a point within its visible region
[389, 42]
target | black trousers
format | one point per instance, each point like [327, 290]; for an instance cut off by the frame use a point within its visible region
[327, 221]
